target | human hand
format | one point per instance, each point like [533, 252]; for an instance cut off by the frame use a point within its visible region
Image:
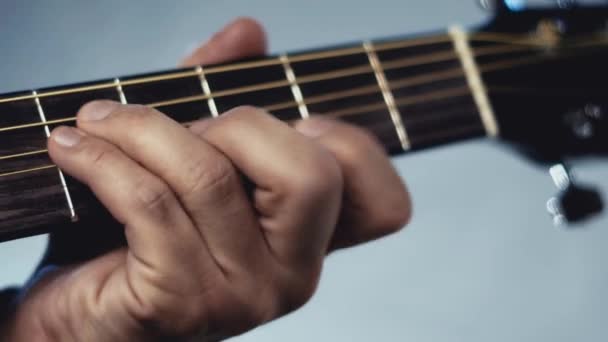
[204, 254]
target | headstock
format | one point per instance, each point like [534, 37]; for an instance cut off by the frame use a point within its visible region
[550, 93]
[553, 100]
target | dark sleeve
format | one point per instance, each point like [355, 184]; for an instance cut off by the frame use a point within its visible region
[8, 299]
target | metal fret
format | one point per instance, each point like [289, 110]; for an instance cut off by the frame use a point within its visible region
[387, 95]
[121, 94]
[480, 95]
[47, 132]
[295, 88]
[207, 91]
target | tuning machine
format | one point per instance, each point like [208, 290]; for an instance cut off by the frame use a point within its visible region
[573, 203]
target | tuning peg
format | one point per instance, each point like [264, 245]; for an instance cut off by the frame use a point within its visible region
[573, 203]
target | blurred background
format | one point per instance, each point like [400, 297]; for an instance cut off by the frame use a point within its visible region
[481, 260]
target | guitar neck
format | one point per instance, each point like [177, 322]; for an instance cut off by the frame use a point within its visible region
[410, 94]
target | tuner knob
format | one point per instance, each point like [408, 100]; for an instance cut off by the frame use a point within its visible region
[573, 203]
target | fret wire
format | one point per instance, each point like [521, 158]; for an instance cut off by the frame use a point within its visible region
[387, 94]
[207, 91]
[473, 76]
[245, 65]
[47, 132]
[295, 88]
[121, 94]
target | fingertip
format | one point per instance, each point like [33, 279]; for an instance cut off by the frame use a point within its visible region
[66, 137]
[243, 37]
[249, 31]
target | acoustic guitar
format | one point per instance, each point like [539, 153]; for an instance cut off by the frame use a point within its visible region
[533, 78]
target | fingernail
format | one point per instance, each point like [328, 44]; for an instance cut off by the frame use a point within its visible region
[66, 136]
[313, 128]
[97, 110]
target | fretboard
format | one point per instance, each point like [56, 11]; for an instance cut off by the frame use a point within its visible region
[411, 94]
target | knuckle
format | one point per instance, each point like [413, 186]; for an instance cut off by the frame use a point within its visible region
[135, 117]
[354, 143]
[296, 289]
[152, 195]
[318, 177]
[101, 156]
[216, 176]
[242, 114]
[393, 215]
[245, 110]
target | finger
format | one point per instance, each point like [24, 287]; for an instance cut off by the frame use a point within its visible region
[298, 183]
[376, 201]
[159, 233]
[204, 180]
[242, 38]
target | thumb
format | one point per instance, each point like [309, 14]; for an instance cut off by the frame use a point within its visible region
[242, 38]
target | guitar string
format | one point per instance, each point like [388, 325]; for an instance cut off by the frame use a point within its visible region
[413, 61]
[358, 70]
[436, 115]
[395, 85]
[451, 73]
[244, 65]
[449, 92]
[524, 40]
